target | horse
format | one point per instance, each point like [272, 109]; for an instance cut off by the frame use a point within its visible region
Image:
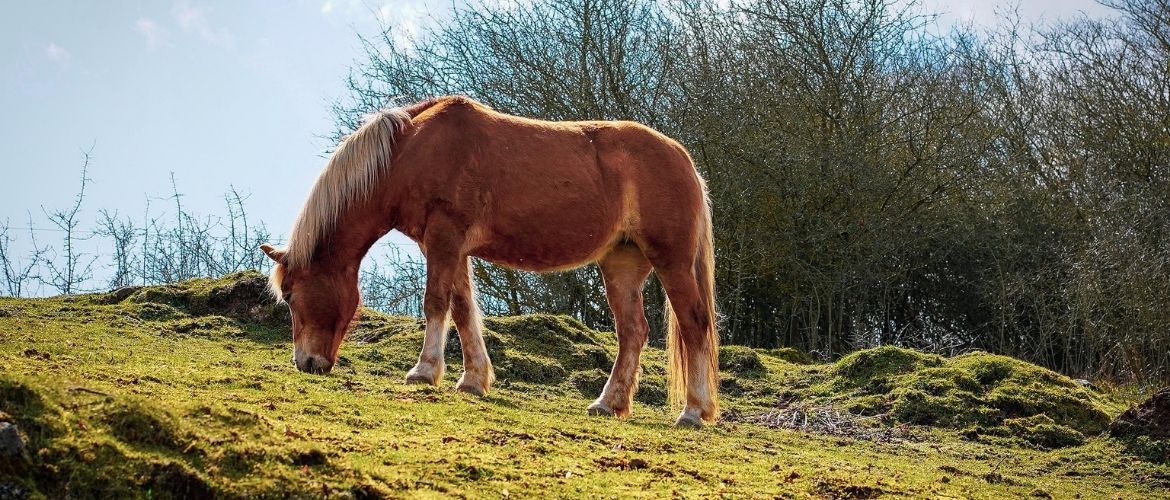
[463, 180]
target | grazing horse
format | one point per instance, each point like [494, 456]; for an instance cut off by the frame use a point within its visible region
[463, 180]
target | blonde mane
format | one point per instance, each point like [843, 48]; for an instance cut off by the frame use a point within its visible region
[351, 175]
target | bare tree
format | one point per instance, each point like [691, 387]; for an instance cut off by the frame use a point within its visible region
[122, 235]
[72, 267]
[17, 274]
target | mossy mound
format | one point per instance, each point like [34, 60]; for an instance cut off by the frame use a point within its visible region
[977, 389]
[867, 366]
[789, 355]
[534, 348]
[542, 348]
[560, 338]
[243, 296]
[741, 361]
[1042, 431]
[68, 452]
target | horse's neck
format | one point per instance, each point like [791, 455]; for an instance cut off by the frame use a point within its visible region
[360, 229]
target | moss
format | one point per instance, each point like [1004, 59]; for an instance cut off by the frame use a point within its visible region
[1042, 431]
[204, 326]
[1020, 389]
[559, 338]
[589, 382]
[166, 479]
[790, 355]
[243, 295]
[137, 424]
[740, 360]
[518, 366]
[944, 396]
[89, 466]
[312, 456]
[1147, 448]
[976, 389]
[24, 406]
[862, 367]
[651, 390]
[203, 414]
[152, 311]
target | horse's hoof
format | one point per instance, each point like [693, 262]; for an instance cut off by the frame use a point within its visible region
[688, 420]
[417, 378]
[599, 409]
[472, 389]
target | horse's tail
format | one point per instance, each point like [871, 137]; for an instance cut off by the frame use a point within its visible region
[676, 349]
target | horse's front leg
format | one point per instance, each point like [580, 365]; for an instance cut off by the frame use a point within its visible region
[442, 265]
[477, 367]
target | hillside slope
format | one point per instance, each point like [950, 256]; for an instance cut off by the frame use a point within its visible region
[188, 390]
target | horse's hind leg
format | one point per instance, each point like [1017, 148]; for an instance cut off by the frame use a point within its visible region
[477, 367]
[692, 314]
[625, 270]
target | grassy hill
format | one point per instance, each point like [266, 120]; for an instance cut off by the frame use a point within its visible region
[188, 390]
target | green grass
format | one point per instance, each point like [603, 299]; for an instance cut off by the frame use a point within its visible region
[183, 391]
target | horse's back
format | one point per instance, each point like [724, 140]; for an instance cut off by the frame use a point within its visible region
[544, 195]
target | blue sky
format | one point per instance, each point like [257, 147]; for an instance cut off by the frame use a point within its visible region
[220, 93]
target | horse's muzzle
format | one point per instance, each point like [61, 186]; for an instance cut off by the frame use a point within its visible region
[313, 364]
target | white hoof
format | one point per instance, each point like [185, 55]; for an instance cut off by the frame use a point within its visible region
[600, 409]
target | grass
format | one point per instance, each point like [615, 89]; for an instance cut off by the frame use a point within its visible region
[188, 390]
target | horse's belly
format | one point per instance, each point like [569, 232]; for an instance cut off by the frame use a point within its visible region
[547, 248]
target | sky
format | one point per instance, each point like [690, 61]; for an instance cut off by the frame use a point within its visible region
[219, 93]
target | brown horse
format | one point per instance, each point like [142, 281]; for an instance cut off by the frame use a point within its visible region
[469, 181]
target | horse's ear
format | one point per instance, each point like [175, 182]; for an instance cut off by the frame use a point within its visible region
[272, 253]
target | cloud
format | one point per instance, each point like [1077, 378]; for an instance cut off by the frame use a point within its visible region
[194, 20]
[56, 52]
[152, 31]
[327, 7]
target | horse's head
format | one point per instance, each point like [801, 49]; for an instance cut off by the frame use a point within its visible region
[323, 303]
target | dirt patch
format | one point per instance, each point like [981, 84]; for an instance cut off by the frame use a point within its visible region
[311, 457]
[1145, 428]
[840, 489]
[621, 463]
[1150, 418]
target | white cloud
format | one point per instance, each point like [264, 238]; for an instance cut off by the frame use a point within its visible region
[327, 7]
[152, 31]
[194, 20]
[56, 52]
[407, 18]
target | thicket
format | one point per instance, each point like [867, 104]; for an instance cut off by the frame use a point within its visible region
[873, 182]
